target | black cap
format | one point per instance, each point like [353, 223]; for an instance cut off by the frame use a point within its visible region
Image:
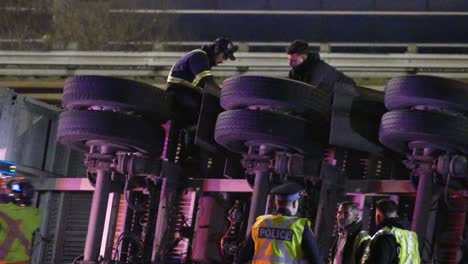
[287, 191]
[298, 46]
[225, 45]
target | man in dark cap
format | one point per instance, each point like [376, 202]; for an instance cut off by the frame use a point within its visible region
[309, 68]
[281, 237]
[191, 75]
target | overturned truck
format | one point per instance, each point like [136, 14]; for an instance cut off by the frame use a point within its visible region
[159, 198]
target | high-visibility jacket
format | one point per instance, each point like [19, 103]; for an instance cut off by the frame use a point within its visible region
[17, 225]
[278, 239]
[361, 238]
[408, 246]
[355, 245]
[190, 73]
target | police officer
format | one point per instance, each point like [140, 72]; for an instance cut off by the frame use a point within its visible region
[281, 237]
[18, 221]
[393, 243]
[191, 75]
[352, 239]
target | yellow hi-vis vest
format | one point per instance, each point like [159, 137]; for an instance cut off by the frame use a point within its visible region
[17, 225]
[408, 246]
[278, 239]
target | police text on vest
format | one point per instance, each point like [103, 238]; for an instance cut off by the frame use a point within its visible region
[275, 233]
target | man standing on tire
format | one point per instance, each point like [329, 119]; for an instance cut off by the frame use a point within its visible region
[191, 75]
[18, 221]
[281, 237]
[352, 240]
[309, 68]
[393, 243]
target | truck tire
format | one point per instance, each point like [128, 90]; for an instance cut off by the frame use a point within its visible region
[284, 94]
[236, 128]
[408, 91]
[399, 127]
[77, 127]
[82, 92]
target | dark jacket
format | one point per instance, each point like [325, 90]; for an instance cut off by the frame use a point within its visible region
[309, 245]
[318, 73]
[384, 249]
[187, 99]
[348, 254]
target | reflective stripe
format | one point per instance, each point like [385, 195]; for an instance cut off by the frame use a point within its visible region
[363, 236]
[261, 254]
[196, 80]
[200, 76]
[360, 238]
[261, 251]
[171, 79]
[198, 50]
[6, 245]
[16, 233]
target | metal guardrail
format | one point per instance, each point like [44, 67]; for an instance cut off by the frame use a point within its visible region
[321, 46]
[289, 12]
[234, 185]
[157, 64]
[263, 44]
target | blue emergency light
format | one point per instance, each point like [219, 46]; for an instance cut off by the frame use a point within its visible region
[16, 187]
[7, 167]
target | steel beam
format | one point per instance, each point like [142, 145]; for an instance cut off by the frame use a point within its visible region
[234, 185]
[379, 186]
[423, 206]
[259, 197]
[97, 216]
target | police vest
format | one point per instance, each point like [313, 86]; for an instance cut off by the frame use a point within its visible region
[278, 239]
[184, 76]
[17, 225]
[408, 251]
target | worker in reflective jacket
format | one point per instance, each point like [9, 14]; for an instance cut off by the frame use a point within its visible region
[393, 243]
[18, 221]
[281, 237]
[191, 75]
